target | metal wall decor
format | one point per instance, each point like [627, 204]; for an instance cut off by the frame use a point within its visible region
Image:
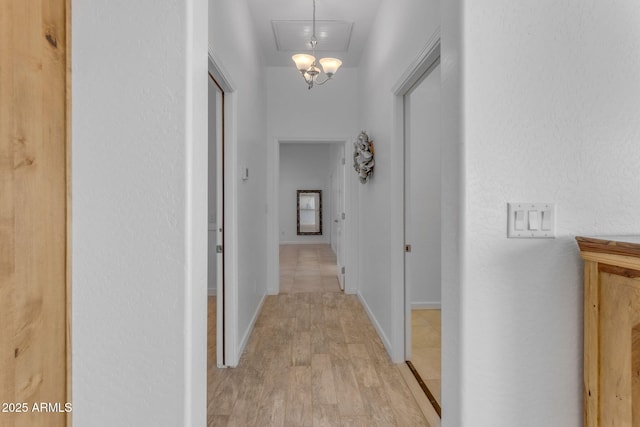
[363, 161]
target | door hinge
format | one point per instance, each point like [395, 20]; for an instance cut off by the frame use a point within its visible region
[407, 248]
[219, 249]
[344, 215]
[343, 161]
[342, 270]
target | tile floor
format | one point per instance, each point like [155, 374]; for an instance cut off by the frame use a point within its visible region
[426, 348]
[308, 268]
[313, 359]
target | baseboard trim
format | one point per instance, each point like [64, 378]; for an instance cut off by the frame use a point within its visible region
[381, 334]
[317, 242]
[247, 334]
[426, 305]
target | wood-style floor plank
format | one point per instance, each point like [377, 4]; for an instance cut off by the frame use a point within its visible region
[426, 348]
[314, 359]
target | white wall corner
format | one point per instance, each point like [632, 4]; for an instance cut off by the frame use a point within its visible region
[381, 334]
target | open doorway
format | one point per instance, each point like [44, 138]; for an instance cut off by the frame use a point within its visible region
[422, 228]
[344, 212]
[215, 221]
[310, 217]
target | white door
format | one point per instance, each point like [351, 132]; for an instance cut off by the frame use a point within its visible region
[215, 256]
[340, 215]
[423, 195]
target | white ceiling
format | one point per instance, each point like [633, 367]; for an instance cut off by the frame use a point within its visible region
[359, 12]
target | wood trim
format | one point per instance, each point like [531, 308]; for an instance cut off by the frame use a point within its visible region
[619, 260]
[425, 389]
[610, 246]
[35, 271]
[591, 347]
[69, 270]
[618, 271]
[425, 406]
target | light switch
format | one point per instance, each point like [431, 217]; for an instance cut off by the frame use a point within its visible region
[519, 225]
[531, 220]
[534, 222]
[547, 220]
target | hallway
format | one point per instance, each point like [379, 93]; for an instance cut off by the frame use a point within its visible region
[314, 359]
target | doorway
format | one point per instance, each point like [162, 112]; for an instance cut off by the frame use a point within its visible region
[422, 231]
[215, 222]
[339, 200]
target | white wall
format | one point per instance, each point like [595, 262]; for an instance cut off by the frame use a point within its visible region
[401, 30]
[542, 104]
[539, 106]
[234, 45]
[139, 213]
[304, 166]
[324, 112]
[551, 113]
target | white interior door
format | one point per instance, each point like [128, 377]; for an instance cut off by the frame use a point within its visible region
[215, 257]
[423, 196]
[340, 215]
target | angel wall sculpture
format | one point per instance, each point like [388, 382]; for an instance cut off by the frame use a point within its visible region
[363, 161]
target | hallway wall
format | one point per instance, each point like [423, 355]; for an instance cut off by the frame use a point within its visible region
[556, 121]
[401, 30]
[324, 112]
[138, 162]
[542, 105]
[234, 44]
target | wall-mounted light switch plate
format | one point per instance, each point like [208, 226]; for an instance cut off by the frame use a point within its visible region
[531, 220]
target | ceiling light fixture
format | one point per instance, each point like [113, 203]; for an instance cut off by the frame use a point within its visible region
[307, 64]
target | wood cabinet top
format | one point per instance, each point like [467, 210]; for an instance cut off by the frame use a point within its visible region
[618, 245]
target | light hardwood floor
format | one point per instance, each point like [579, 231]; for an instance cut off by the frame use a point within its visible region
[308, 268]
[426, 348]
[211, 331]
[314, 359]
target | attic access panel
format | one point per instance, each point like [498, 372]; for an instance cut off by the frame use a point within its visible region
[294, 36]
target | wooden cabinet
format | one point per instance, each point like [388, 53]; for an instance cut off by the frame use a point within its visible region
[611, 330]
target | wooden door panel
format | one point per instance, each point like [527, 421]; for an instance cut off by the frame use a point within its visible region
[33, 211]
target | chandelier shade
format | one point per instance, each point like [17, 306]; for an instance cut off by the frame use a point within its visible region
[330, 65]
[303, 61]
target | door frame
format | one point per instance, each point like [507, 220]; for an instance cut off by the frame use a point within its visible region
[227, 295]
[400, 295]
[341, 203]
[273, 214]
[408, 293]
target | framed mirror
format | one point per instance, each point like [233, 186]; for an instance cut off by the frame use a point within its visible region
[309, 218]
